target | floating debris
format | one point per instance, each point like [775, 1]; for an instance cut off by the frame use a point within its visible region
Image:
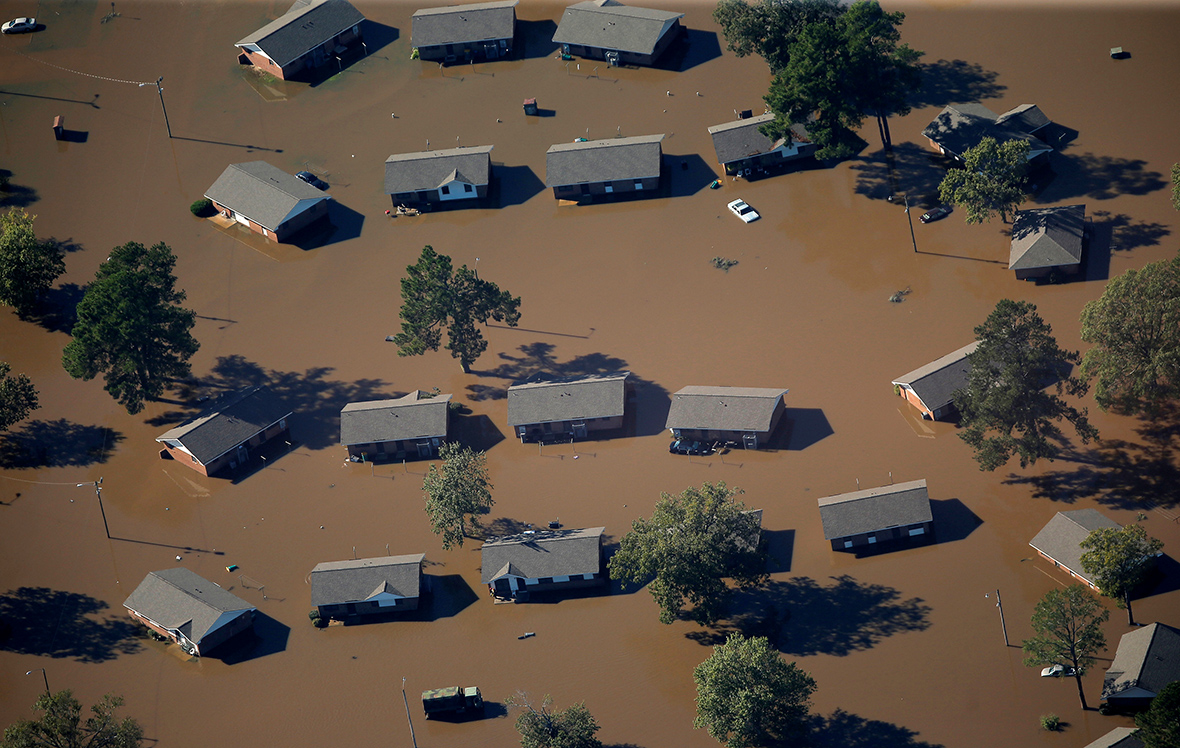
[232, 568]
[723, 263]
[899, 296]
[527, 635]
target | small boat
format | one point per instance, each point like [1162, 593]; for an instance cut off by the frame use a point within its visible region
[527, 635]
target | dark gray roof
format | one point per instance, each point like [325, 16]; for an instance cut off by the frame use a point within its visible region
[182, 600]
[1047, 237]
[734, 141]
[603, 160]
[227, 422]
[936, 382]
[545, 399]
[1027, 118]
[429, 170]
[1060, 539]
[1119, 737]
[875, 509]
[338, 582]
[407, 417]
[261, 192]
[543, 553]
[305, 26]
[1147, 658]
[609, 24]
[962, 126]
[723, 408]
[456, 24]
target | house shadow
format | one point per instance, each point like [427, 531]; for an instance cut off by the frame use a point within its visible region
[686, 174]
[14, 195]
[843, 729]
[1069, 177]
[694, 47]
[953, 520]
[514, 185]
[476, 431]
[377, 36]
[57, 443]
[65, 625]
[73, 136]
[448, 595]
[1162, 579]
[955, 82]
[907, 169]
[800, 428]
[268, 637]
[780, 550]
[535, 39]
[1115, 232]
[343, 223]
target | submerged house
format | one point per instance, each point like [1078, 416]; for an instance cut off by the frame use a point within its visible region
[742, 149]
[1119, 737]
[603, 167]
[960, 127]
[228, 431]
[367, 586]
[311, 34]
[931, 388]
[616, 33]
[738, 415]
[267, 200]
[542, 408]
[409, 426]
[1146, 661]
[540, 561]
[439, 176]
[876, 515]
[475, 31]
[1046, 241]
[1060, 540]
[190, 610]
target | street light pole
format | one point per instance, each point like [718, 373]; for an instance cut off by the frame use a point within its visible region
[1004, 626]
[407, 703]
[44, 676]
[907, 215]
[160, 90]
[98, 492]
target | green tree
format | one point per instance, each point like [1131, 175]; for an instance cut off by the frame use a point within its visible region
[886, 71]
[748, 696]
[1159, 726]
[61, 726]
[28, 265]
[1176, 186]
[768, 28]
[1119, 560]
[1006, 408]
[991, 180]
[689, 546]
[131, 326]
[435, 295]
[545, 727]
[1068, 631]
[1135, 329]
[18, 397]
[457, 492]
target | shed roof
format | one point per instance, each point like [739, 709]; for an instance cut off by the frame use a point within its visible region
[592, 161]
[959, 127]
[1027, 118]
[411, 416]
[356, 580]
[936, 382]
[182, 600]
[1061, 538]
[456, 24]
[305, 26]
[1147, 658]
[1047, 237]
[608, 24]
[875, 509]
[544, 399]
[542, 553]
[724, 408]
[429, 170]
[227, 422]
[263, 193]
[734, 141]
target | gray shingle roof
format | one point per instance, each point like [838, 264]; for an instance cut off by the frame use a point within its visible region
[405, 417]
[723, 408]
[182, 600]
[429, 170]
[734, 141]
[1060, 539]
[261, 192]
[1047, 237]
[1119, 737]
[356, 580]
[936, 382]
[457, 24]
[1148, 658]
[305, 26]
[546, 399]
[875, 509]
[543, 553]
[603, 160]
[1027, 117]
[227, 422]
[962, 126]
[608, 24]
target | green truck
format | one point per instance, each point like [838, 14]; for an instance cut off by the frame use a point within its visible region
[451, 700]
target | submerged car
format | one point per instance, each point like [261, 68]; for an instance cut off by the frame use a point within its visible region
[313, 180]
[941, 211]
[19, 26]
[744, 211]
[1057, 671]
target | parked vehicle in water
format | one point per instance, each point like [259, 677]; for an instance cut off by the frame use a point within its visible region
[312, 179]
[451, 700]
[19, 26]
[743, 211]
[941, 211]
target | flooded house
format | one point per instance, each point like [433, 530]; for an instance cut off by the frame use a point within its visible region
[1119, 737]
[1047, 241]
[514, 566]
[367, 586]
[439, 176]
[228, 431]
[745, 416]
[310, 35]
[876, 515]
[1060, 540]
[463, 33]
[743, 150]
[544, 408]
[589, 168]
[615, 33]
[193, 612]
[960, 127]
[267, 200]
[1146, 661]
[413, 426]
[931, 388]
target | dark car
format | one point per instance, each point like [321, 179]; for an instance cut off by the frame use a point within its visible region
[941, 211]
[678, 447]
[313, 180]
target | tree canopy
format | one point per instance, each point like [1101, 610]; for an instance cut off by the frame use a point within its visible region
[1119, 560]
[545, 727]
[1007, 407]
[1159, 726]
[769, 28]
[437, 296]
[691, 544]
[748, 696]
[60, 725]
[1176, 186]
[28, 265]
[131, 326]
[991, 180]
[18, 397]
[457, 492]
[1135, 329]
[1068, 631]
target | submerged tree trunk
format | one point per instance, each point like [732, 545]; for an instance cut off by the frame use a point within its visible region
[1077, 676]
[1127, 601]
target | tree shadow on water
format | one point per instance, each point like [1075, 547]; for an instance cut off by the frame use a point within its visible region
[956, 82]
[846, 730]
[1097, 177]
[57, 310]
[908, 169]
[54, 623]
[58, 443]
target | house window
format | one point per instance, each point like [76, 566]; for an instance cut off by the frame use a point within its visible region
[467, 188]
[917, 531]
[446, 190]
[610, 187]
[847, 543]
[638, 185]
[545, 580]
[872, 538]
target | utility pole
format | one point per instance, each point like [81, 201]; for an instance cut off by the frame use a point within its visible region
[98, 492]
[1004, 626]
[44, 676]
[407, 703]
[160, 90]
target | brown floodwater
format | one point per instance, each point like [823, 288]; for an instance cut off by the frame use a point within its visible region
[906, 644]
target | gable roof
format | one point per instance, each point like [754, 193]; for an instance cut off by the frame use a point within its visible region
[1027, 118]
[734, 141]
[603, 160]
[355, 580]
[608, 24]
[1047, 237]
[961, 126]
[306, 25]
[184, 601]
[875, 509]
[1060, 539]
[1147, 658]
[723, 408]
[936, 382]
[430, 170]
[1119, 737]
[455, 24]
[544, 399]
[542, 553]
[408, 417]
[227, 422]
[261, 192]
